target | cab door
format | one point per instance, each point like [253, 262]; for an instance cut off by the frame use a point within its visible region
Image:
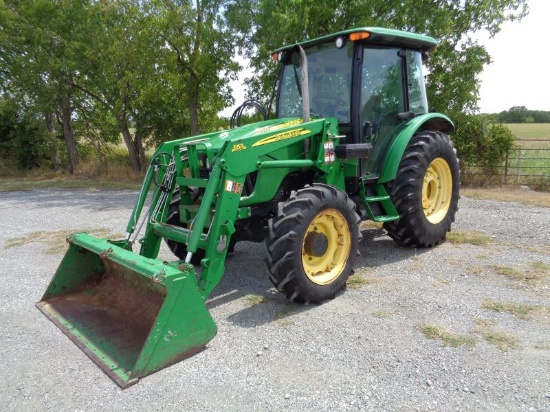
[392, 91]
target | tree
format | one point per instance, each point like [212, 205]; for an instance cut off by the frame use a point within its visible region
[41, 59]
[481, 142]
[22, 138]
[119, 75]
[265, 25]
[520, 114]
[152, 69]
[201, 49]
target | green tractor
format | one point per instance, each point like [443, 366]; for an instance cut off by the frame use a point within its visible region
[353, 140]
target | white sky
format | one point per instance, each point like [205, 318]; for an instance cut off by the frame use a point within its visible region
[520, 72]
[518, 76]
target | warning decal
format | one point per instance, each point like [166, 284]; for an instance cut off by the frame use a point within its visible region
[233, 187]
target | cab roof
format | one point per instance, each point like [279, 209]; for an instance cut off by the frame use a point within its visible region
[377, 36]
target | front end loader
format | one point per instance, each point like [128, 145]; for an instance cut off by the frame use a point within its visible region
[352, 140]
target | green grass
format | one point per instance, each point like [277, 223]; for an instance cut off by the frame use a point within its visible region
[543, 345]
[356, 281]
[528, 163]
[530, 130]
[113, 173]
[520, 310]
[55, 241]
[503, 341]
[484, 323]
[381, 314]
[257, 299]
[469, 236]
[532, 154]
[535, 272]
[509, 272]
[446, 336]
[541, 266]
[530, 158]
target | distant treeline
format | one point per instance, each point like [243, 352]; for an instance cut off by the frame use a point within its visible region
[520, 114]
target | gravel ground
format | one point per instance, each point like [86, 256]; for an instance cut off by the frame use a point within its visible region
[361, 351]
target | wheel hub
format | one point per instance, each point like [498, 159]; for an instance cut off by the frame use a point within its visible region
[437, 190]
[315, 244]
[326, 247]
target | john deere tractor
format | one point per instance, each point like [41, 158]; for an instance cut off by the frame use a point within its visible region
[352, 140]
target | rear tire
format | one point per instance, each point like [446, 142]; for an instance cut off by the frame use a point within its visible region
[425, 191]
[312, 244]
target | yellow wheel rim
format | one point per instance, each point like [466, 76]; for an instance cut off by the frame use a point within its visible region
[326, 246]
[437, 190]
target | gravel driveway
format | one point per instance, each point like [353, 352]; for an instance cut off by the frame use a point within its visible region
[368, 349]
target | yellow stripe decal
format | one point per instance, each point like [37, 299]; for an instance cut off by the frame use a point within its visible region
[277, 126]
[282, 136]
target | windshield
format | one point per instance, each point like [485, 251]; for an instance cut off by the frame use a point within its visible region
[329, 77]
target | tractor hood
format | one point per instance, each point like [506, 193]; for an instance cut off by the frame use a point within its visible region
[217, 139]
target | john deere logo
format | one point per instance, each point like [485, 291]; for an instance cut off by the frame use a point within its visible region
[282, 136]
[238, 146]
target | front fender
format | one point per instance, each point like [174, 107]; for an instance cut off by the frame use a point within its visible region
[429, 121]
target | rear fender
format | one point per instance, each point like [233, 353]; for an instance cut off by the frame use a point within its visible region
[429, 121]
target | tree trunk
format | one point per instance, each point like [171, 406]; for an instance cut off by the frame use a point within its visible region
[52, 141]
[135, 147]
[138, 144]
[68, 134]
[194, 105]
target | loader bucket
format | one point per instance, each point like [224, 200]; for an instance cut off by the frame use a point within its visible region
[130, 314]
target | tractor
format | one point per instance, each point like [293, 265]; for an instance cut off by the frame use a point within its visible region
[352, 140]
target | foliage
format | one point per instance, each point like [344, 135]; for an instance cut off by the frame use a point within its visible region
[452, 83]
[535, 131]
[481, 142]
[154, 70]
[22, 138]
[41, 57]
[520, 114]
[200, 47]
[265, 25]
[148, 71]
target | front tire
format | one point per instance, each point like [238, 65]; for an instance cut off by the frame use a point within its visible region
[312, 244]
[425, 191]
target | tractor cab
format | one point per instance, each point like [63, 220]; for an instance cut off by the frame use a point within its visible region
[369, 79]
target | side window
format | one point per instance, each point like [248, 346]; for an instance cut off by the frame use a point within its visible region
[418, 103]
[381, 90]
[290, 98]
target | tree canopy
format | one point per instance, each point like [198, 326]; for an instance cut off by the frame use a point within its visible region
[83, 72]
[148, 70]
[521, 114]
[265, 25]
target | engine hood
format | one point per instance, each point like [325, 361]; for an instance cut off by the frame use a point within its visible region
[217, 139]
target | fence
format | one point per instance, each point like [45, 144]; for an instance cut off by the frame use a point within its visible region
[527, 163]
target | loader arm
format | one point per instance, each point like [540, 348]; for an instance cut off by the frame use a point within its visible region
[213, 223]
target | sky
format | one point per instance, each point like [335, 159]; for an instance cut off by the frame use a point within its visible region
[519, 74]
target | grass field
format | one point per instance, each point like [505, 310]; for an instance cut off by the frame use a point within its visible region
[530, 130]
[529, 163]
